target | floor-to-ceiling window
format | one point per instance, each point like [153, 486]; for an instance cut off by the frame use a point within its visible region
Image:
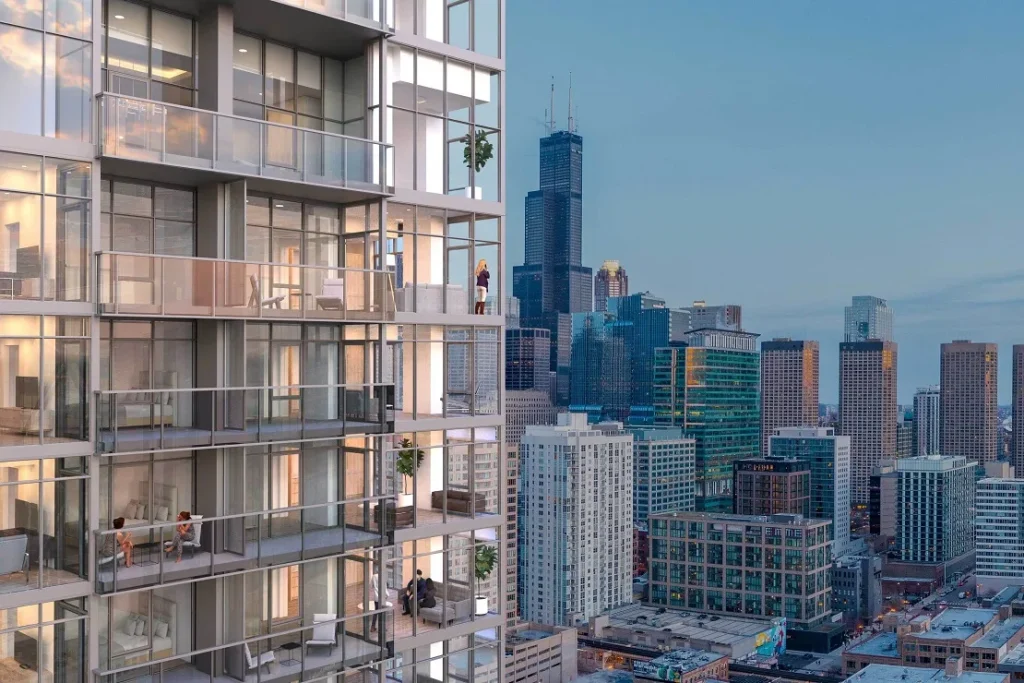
[46, 68]
[149, 53]
[44, 228]
[43, 379]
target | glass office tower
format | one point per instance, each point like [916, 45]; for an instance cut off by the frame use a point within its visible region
[244, 396]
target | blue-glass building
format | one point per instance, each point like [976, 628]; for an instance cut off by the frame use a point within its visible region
[613, 356]
[552, 284]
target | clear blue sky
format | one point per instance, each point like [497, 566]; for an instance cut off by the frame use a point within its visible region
[788, 155]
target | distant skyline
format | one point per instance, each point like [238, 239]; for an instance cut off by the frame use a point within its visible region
[786, 157]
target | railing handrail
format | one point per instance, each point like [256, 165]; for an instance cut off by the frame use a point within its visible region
[103, 252]
[341, 136]
[262, 388]
[237, 515]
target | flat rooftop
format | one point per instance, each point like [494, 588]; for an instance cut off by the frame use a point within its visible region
[957, 624]
[889, 673]
[1000, 633]
[882, 645]
[686, 660]
[724, 630]
[1014, 657]
[781, 519]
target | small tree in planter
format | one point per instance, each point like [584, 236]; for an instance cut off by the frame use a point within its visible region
[409, 460]
[486, 559]
[477, 153]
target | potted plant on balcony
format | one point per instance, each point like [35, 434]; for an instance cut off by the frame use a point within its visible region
[477, 153]
[486, 559]
[409, 460]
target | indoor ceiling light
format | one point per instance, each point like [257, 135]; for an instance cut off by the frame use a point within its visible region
[278, 206]
[119, 16]
[242, 50]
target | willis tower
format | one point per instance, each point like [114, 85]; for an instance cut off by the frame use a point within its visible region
[553, 284]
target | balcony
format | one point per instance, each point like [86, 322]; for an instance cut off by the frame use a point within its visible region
[174, 286]
[135, 420]
[230, 543]
[170, 143]
[263, 659]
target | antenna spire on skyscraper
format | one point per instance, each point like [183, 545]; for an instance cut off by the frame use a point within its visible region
[551, 124]
[570, 102]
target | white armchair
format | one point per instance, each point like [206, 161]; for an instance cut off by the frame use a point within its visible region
[265, 659]
[332, 295]
[324, 634]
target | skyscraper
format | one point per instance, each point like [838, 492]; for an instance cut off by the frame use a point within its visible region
[969, 411]
[670, 385]
[575, 520]
[527, 359]
[1000, 534]
[663, 471]
[789, 386]
[725, 317]
[829, 458]
[868, 318]
[600, 379]
[648, 323]
[934, 508]
[867, 408]
[926, 421]
[611, 280]
[552, 283]
[771, 486]
[1017, 443]
[711, 388]
[216, 304]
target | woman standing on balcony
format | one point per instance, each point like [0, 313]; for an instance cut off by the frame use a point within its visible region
[483, 278]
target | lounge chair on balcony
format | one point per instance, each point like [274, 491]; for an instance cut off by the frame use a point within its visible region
[255, 297]
[332, 295]
[264, 660]
[324, 634]
[14, 555]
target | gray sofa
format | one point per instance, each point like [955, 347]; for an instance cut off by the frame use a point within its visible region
[458, 606]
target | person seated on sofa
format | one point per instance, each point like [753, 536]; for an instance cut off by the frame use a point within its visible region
[428, 599]
[421, 587]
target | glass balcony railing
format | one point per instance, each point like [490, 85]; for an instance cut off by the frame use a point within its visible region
[339, 648]
[146, 284]
[230, 543]
[377, 12]
[156, 132]
[136, 420]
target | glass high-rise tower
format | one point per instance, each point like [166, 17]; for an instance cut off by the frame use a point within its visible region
[711, 388]
[552, 283]
[244, 400]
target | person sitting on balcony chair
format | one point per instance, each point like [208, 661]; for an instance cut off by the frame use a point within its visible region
[124, 540]
[182, 533]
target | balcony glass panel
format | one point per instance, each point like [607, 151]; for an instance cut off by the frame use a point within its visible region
[152, 419]
[228, 543]
[374, 11]
[42, 530]
[144, 284]
[155, 132]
